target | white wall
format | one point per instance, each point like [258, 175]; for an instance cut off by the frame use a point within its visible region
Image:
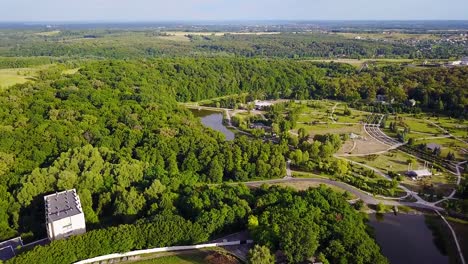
[156, 250]
[67, 226]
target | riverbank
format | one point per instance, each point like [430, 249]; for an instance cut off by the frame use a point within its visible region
[405, 238]
[418, 236]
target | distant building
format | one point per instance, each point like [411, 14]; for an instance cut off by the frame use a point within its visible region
[382, 98]
[433, 146]
[7, 248]
[261, 105]
[64, 215]
[418, 174]
[462, 62]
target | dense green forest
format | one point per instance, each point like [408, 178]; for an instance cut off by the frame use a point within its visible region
[113, 139]
[114, 128]
[139, 160]
[120, 44]
[317, 222]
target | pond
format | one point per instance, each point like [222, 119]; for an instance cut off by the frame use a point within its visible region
[214, 120]
[405, 238]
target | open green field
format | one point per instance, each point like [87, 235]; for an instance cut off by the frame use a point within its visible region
[389, 36]
[424, 123]
[421, 125]
[460, 149]
[48, 33]
[184, 35]
[396, 161]
[10, 77]
[390, 161]
[355, 117]
[321, 111]
[456, 127]
[360, 62]
[331, 128]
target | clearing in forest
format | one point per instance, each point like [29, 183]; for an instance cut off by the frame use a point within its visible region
[10, 77]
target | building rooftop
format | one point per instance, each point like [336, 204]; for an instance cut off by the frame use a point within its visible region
[420, 173]
[263, 103]
[433, 146]
[62, 204]
[7, 248]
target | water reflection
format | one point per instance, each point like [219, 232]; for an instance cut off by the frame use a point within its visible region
[214, 120]
[406, 239]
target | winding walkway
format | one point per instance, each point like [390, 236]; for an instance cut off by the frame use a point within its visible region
[364, 196]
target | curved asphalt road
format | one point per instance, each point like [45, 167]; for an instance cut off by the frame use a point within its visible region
[365, 197]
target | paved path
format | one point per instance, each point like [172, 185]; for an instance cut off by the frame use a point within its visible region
[288, 170]
[446, 131]
[365, 197]
[332, 112]
[435, 137]
[462, 259]
[409, 192]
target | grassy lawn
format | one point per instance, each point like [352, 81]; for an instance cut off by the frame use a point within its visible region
[392, 36]
[355, 117]
[10, 77]
[359, 62]
[331, 128]
[397, 161]
[448, 145]
[422, 126]
[316, 111]
[48, 33]
[457, 127]
[390, 161]
[320, 111]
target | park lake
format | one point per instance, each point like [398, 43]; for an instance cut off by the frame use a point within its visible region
[214, 120]
[405, 238]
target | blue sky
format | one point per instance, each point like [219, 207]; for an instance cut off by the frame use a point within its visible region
[157, 10]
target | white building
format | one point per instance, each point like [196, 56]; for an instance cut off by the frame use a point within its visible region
[462, 62]
[261, 105]
[419, 174]
[64, 215]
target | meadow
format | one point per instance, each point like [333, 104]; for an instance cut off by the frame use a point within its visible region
[10, 77]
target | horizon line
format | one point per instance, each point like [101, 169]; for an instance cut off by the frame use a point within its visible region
[231, 20]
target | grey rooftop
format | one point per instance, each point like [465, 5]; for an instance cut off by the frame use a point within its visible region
[61, 205]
